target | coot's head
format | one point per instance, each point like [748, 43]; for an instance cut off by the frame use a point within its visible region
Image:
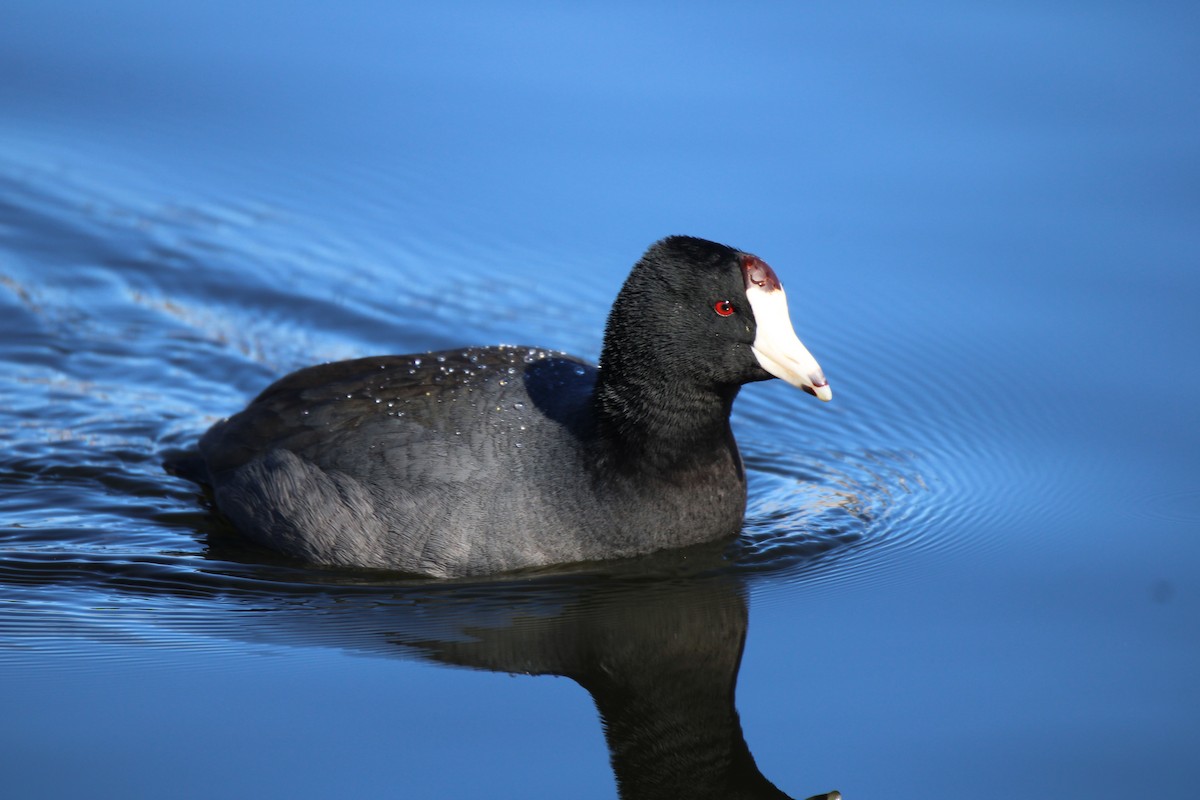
[704, 313]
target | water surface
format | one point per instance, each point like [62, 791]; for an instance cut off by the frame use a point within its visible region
[975, 573]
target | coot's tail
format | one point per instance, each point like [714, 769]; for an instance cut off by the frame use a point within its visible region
[187, 464]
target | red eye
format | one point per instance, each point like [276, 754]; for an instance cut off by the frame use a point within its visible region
[723, 307]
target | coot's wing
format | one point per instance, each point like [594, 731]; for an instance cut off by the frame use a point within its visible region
[350, 415]
[428, 464]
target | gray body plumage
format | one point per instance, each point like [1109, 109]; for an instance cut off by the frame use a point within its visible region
[464, 462]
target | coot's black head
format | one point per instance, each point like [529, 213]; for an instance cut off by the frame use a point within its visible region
[703, 314]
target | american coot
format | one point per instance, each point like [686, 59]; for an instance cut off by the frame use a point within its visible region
[489, 459]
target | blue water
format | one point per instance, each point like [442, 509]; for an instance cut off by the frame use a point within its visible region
[975, 573]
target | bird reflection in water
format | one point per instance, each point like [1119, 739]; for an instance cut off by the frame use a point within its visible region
[659, 656]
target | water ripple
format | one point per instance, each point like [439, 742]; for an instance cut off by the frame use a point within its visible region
[132, 325]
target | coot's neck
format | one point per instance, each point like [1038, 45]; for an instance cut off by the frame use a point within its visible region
[653, 420]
